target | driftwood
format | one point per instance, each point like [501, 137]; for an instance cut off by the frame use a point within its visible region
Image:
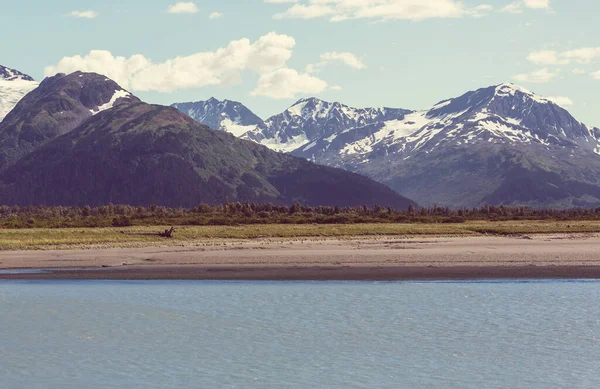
[166, 234]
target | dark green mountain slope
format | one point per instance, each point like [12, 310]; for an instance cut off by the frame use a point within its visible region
[143, 154]
[58, 105]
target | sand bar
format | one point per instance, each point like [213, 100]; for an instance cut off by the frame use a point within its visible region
[381, 258]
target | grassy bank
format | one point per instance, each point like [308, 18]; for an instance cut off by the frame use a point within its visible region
[73, 238]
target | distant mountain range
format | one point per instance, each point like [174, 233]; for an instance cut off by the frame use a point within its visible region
[498, 145]
[81, 139]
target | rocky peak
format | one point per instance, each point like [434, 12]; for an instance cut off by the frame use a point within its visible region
[226, 115]
[58, 105]
[95, 92]
[12, 74]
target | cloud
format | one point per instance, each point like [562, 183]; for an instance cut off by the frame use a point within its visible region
[517, 6]
[546, 57]
[596, 75]
[286, 83]
[561, 100]
[513, 8]
[183, 8]
[537, 4]
[267, 56]
[539, 76]
[582, 55]
[345, 58]
[339, 10]
[215, 15]
[84, 14]
[336, 88]
[480, 11]
[579, 71]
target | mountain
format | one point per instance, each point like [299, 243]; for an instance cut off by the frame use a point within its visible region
[13, 86]
[499, 145]
[311, 119]
[225, 115]
[140, 154]
[58, 105]
[305, 121]
[13, 75]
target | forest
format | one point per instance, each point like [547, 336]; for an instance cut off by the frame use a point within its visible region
[233, 214]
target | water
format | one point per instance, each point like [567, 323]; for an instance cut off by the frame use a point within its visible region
[299, 335]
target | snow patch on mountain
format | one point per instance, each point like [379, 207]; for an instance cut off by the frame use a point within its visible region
[236, 129]
[111, 103]
[512, 90]
[11, 92]
[287, 146]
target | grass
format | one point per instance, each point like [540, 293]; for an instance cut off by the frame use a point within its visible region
[81, 238]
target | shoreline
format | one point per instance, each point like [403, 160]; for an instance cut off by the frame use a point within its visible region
[232, 273]
[384, 258]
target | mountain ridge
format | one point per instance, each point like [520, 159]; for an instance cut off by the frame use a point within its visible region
[117, 149]
[504, 127]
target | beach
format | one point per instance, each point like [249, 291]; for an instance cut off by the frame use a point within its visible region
[360, 258]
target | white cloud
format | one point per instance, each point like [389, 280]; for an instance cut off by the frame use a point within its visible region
[596, 75]
[336, 88]
[339, 10]
[348, 59]
[215, 15]
[480, 11]
[517, 6]
[582, 55]
[537, 4]
[287, 83]
[546, 57]
[539, 76]
[561, 100]
[579, 71]
[183, 8]
[513, 8]
[267, 57]
[84, 14]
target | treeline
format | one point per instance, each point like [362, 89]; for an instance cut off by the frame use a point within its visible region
[251, 213]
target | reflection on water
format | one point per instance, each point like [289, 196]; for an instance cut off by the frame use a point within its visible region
[23, 271]
[106, 334]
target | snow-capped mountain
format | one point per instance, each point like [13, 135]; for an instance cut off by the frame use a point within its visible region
[311, 119]
[503, 114]
[497, 145]
[225, 115]
[13, 86]
[56, 106]
[305, 121]
[500, 145]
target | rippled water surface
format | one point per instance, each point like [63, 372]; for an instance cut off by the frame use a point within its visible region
[299, 335]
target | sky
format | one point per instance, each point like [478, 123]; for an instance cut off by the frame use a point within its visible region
[269, 53]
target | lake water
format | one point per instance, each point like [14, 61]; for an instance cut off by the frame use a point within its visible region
[299, 335]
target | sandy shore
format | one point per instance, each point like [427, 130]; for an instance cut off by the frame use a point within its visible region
[549, 256]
